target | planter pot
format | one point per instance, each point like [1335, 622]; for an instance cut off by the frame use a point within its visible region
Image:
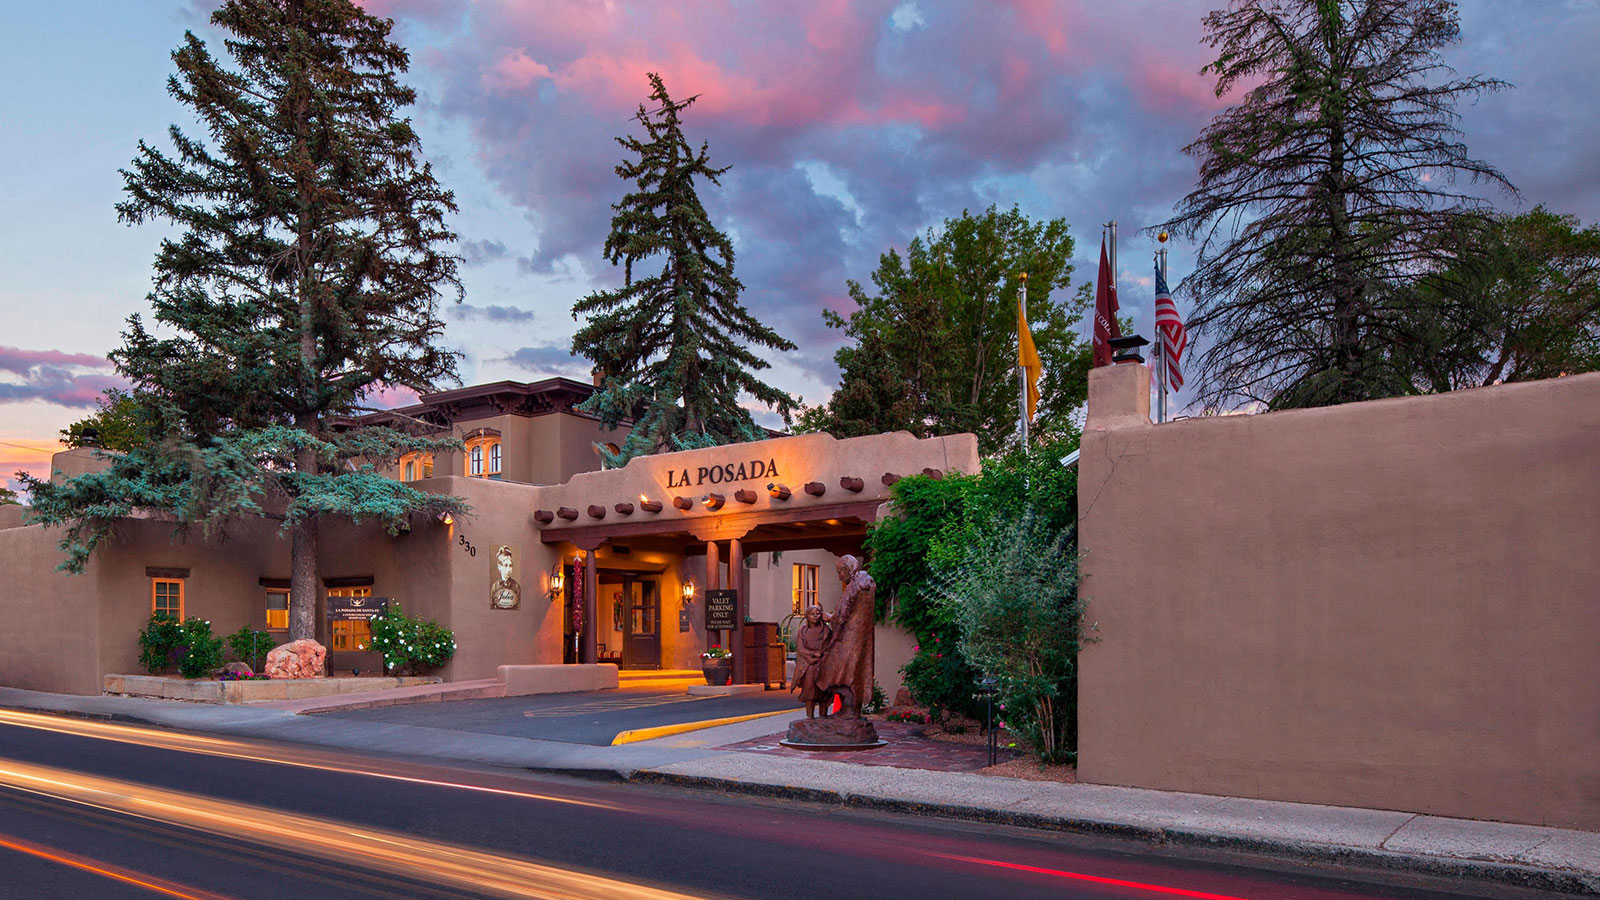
[717, 671]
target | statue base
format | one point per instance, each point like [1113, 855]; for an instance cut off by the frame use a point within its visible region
[832, 733]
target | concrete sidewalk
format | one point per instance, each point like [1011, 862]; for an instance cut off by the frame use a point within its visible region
[1544, 858]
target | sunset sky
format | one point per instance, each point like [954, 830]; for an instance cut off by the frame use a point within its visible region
[850, 126]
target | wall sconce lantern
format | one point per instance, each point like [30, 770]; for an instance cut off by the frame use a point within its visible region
[688, 591]
[446, 518]
[557, 581]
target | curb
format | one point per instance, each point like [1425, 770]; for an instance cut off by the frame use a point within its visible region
[633, 736]
[1556, 880]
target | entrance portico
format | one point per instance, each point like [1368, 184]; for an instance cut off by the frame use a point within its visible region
[722, 505]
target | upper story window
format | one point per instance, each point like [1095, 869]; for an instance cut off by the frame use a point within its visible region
[483, 454]
[416, 465]
[805, 587]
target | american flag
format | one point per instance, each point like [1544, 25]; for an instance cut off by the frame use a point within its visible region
[1173, 336]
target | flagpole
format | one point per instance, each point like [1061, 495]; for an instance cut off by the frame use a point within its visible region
[1161, 344]
[1022, 373]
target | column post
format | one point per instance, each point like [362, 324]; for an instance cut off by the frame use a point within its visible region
[736, 573]
[713, 576]
[586, 647]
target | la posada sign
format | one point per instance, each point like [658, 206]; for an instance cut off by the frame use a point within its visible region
[722, 605]
[356, 609]
[724, 473]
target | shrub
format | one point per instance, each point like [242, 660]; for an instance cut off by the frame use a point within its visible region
[250, 646]
[410, 646]
[1015, 596]
[188, 644]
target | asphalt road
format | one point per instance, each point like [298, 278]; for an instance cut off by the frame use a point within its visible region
[100, 810]
[594, 717]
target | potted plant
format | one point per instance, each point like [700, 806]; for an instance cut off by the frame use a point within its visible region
[717, 665]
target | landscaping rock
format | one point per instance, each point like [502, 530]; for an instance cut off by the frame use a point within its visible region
[236, 668]
[902, 698]
[296, 659]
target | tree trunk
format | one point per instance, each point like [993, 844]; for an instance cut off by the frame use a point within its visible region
[303, 581]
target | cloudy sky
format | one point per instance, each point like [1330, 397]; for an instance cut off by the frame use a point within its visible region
[850, 126]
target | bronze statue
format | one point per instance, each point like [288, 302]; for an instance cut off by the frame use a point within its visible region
[843, 667]
[846, 667]
[808, 643]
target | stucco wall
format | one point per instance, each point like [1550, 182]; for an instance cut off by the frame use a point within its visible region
[1392, 604]
[50, 640]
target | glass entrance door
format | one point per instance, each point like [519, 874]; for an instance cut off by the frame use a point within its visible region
[641, 624]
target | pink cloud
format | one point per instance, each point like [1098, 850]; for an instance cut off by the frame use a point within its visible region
[20, 361]
[513, 72]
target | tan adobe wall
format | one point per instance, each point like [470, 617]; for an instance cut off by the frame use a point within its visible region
[1392, 604]
[50, 641]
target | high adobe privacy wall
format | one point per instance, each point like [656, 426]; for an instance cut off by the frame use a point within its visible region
[1392, 604]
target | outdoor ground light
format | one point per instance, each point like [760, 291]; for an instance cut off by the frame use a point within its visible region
[557, 579]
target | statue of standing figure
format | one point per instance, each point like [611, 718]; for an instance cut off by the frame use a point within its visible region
[842, 666]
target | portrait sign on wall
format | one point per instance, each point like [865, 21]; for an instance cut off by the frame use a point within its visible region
[505, 592]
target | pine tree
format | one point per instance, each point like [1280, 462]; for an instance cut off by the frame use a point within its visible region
[306, 275]
[674, 348]
[1331, 182]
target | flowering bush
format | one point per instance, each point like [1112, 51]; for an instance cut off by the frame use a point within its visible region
[716, 653]
[915, 718]
[240, 676]
[189, 645]
[410, 646]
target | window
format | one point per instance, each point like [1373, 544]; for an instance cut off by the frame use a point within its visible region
[805, 586]
[483, 454]
[277, 609]
[350, 636]
[416, 465]
[166, 596]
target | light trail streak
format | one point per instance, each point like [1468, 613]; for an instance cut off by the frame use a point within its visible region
[230, 749]
[1092, 879]
[385, 851]
[106, 870]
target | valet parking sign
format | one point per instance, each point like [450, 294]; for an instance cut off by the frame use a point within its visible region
[722, 605]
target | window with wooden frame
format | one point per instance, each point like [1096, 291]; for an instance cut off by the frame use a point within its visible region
[277, 609]
[166, 597]
[416, 465]
[354, 635]
[483, 454]
[805, 586]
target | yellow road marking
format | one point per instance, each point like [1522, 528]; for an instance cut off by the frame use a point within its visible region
[386, 851]
[646, 734]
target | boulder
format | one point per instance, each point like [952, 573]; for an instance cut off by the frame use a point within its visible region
[902, 697]
[236, 668]
[296, 659]
[832, 730]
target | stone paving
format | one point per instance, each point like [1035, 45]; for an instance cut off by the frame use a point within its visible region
[908, 748]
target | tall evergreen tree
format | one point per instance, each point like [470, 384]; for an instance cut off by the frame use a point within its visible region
[1331, 181]
[674, 348]
[934, 350]
[306, 275]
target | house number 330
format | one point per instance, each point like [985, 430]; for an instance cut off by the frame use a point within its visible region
[462, 540]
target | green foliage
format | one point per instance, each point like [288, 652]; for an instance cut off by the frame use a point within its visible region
[410, 646]
[1015, 598]
[1323, 191]
[934, 350]
[307, 255]
[674, 348]
[1520, 300]
[121, 422]
[250, 646]
[716, 651]
[928, 537]
[8, 497]
[878, 701]
[189, 645]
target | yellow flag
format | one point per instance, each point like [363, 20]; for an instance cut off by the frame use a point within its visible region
[1028, 358]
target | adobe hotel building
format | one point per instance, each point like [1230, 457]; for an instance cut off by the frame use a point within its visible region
[559, 561]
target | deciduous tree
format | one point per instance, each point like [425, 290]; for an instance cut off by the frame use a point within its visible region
[934, 349]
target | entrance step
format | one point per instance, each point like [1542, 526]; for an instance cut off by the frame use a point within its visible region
[724, 690]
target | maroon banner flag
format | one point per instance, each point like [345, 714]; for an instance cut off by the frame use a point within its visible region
[1105, 310]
